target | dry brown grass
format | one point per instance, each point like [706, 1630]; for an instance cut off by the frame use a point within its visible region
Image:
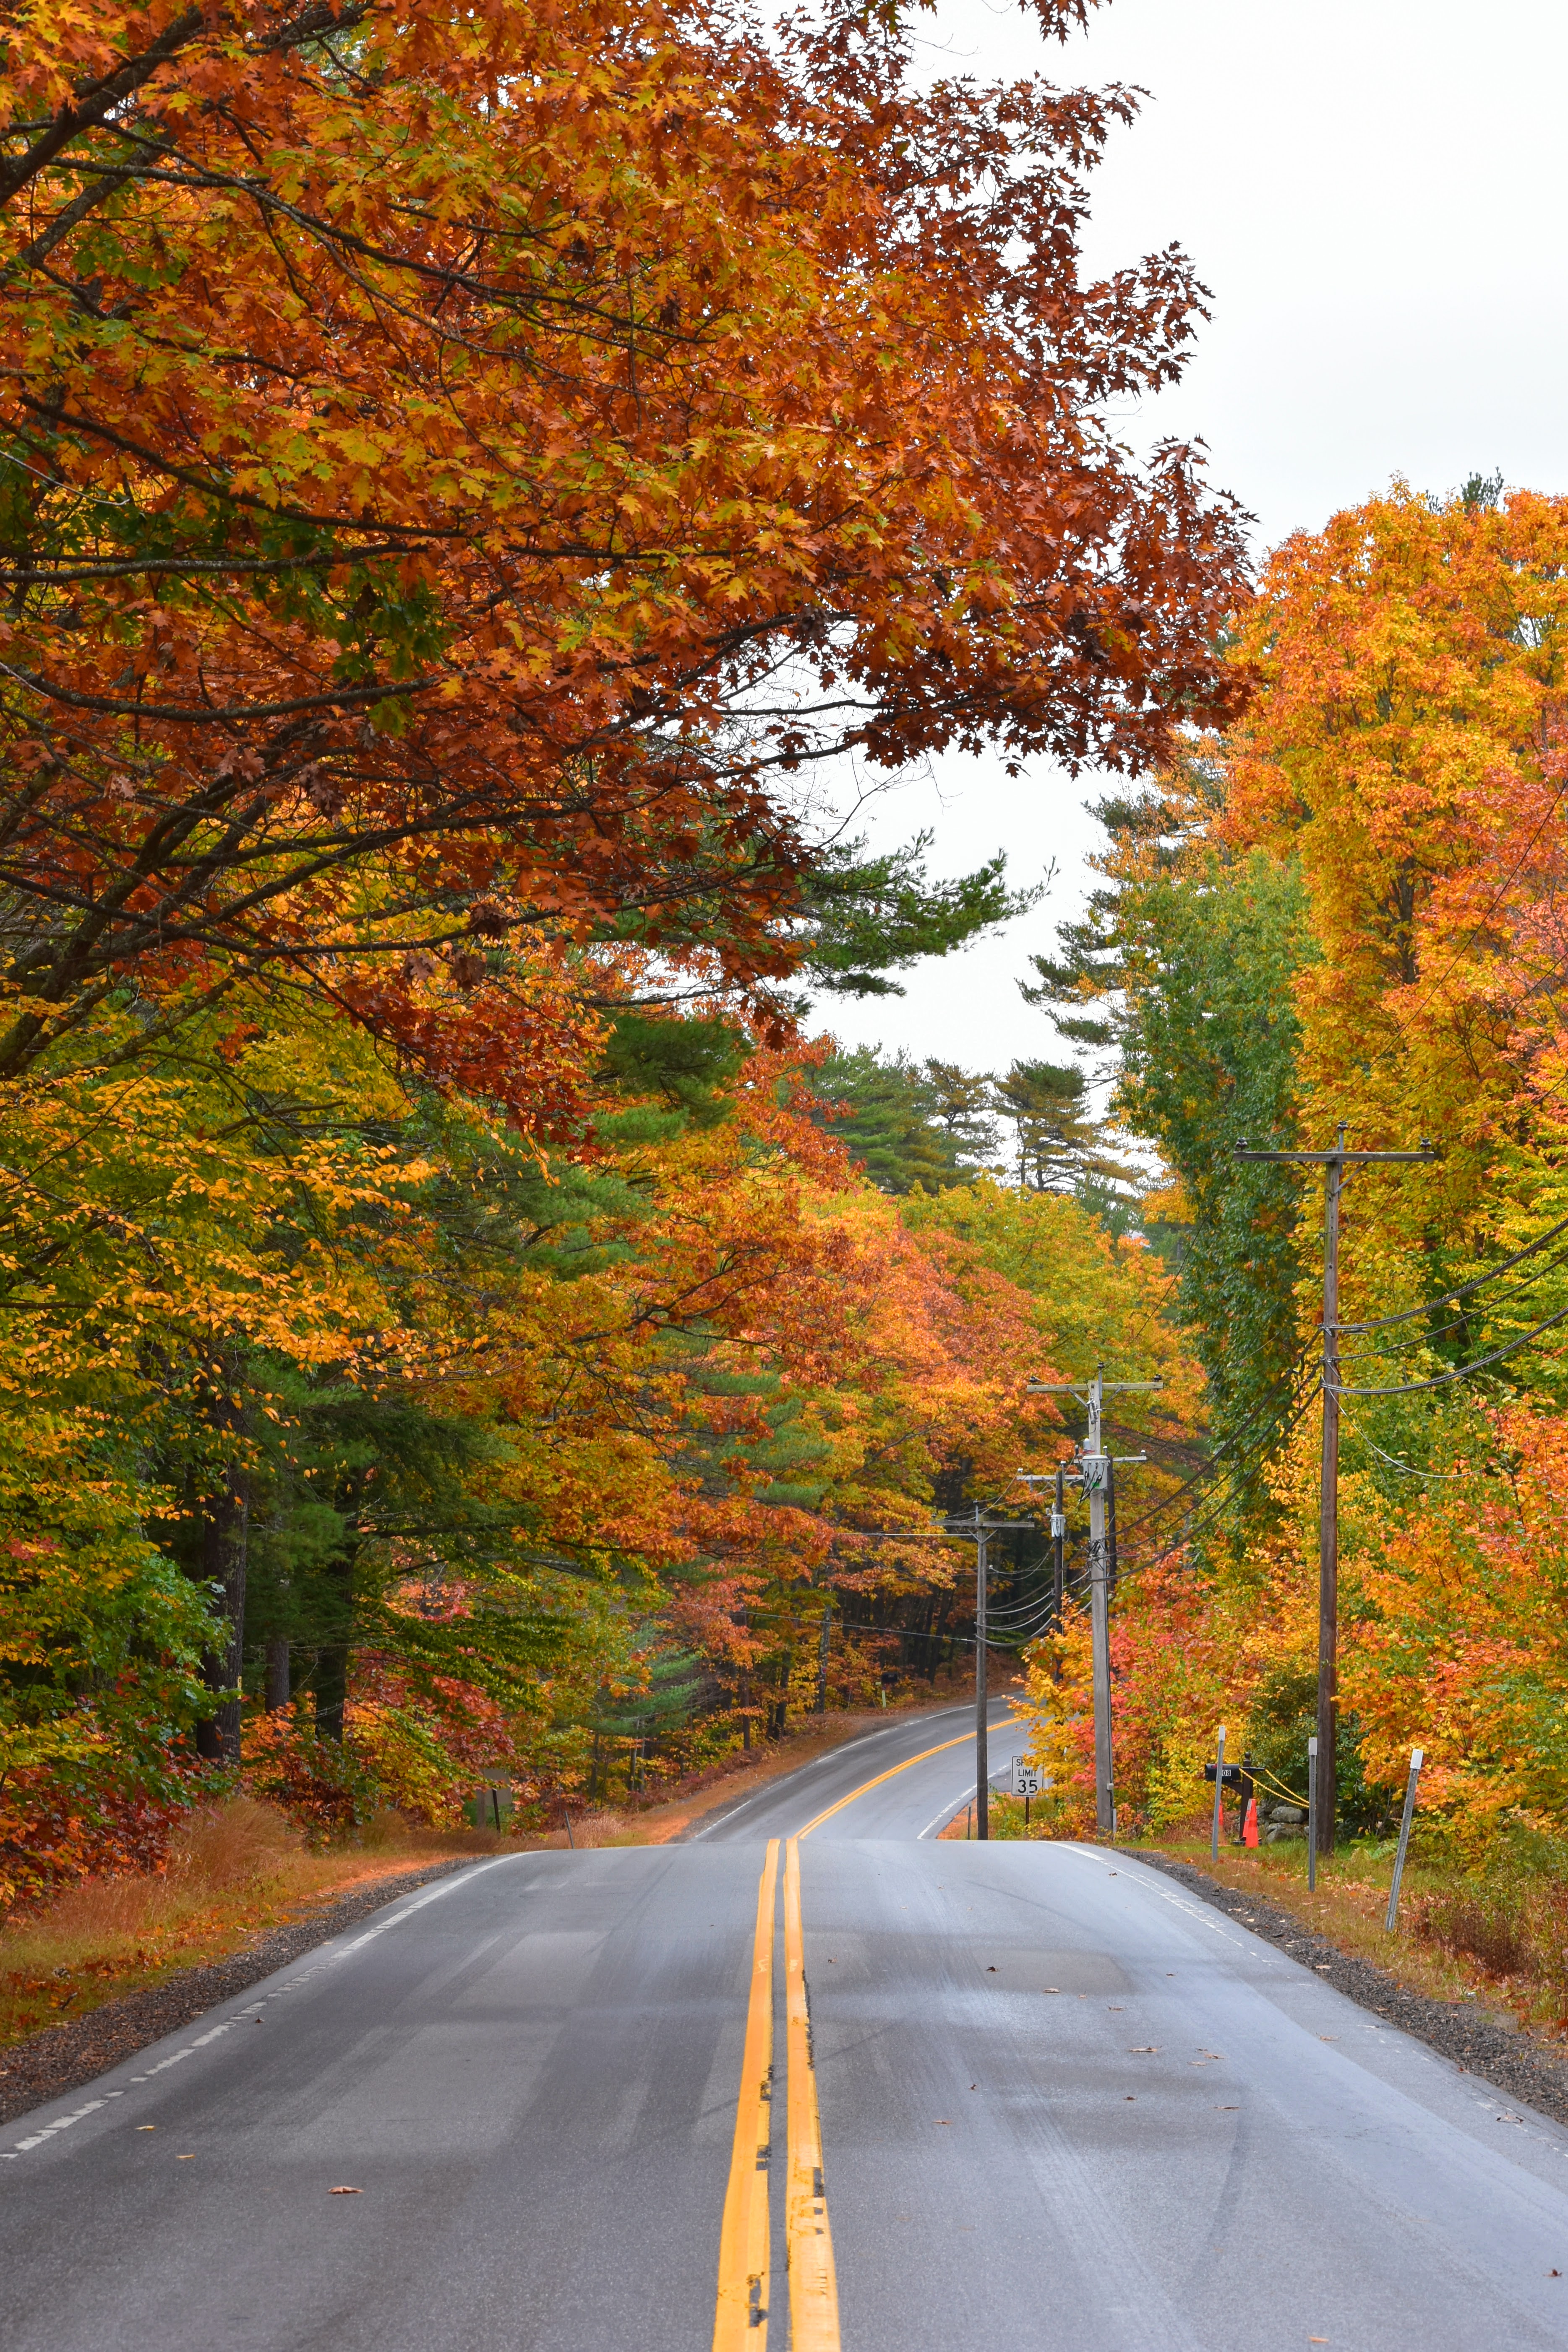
[237, 1870]
[234, 1871]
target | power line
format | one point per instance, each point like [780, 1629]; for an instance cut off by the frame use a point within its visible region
[1408, 1467]
[1514, 1290]
[1452, 1298]
[1190, 1533]
[1254, 1432]
[1460, 1371]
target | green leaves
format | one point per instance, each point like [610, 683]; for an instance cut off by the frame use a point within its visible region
[867, 917]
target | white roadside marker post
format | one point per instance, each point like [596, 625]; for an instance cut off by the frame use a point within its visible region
[1311, 1816]
[1417, 1757]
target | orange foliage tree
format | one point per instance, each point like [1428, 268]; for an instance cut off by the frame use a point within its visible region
[460, 475]
[1350, 909]
[459, 467]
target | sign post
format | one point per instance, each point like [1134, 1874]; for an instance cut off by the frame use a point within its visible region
[1027, 1781]
[1218, 1791]
[1417, 1758]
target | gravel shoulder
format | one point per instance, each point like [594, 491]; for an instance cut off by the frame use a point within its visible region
[1477, 2043]
[63, 2057]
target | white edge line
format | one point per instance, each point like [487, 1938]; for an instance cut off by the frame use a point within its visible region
[772, 1788]
[330, 1959]
[1203, 1913]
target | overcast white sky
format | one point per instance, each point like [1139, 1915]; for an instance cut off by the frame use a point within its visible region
[1374, 190]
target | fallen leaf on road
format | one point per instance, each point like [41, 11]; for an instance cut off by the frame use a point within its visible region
[944, 2119]
[346, 2192]
[189, 2157]
[1049, 1988]
[1324, 2037]
[1145, 2050]
[146, 2126]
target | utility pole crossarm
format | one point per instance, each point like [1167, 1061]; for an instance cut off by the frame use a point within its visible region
[1334, 1158]
[1337, 1158]
[1077, 1388]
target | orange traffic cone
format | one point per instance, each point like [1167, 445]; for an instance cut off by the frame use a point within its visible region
[1250, 1827]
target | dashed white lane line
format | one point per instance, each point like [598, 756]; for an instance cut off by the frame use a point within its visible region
[251, 2011]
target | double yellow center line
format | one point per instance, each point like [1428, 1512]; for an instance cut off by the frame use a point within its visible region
[741, 2319]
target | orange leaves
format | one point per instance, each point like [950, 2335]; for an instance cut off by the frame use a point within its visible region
[488, 464]
[1462, 1649]
[1407, 748]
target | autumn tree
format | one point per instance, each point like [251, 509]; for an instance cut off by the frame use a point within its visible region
[438, 519]
[1348, 908]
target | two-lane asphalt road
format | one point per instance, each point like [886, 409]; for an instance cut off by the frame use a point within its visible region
[1061, 2104]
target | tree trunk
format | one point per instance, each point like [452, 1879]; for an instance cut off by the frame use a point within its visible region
[332, 1690]
[277, 1692]
[333, 1657]
[224, 1558]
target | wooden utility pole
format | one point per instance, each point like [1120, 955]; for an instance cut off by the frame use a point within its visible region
[1334, 1165]
[1059, 1543]
[1094, 1469]
[981, 1529]
[976, 1529]
[982, 1665]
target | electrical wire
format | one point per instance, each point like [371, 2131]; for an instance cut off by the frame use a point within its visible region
[1127, 1572]
[1460, 1371]
[1020, 1609]
[1253, 1432]
[1199, 1527]
[1514, 1290]
[1026, 1634]
[1408, 1467]
[1452, 1298]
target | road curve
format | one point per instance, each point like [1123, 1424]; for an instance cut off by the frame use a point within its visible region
[903, 1797]
[1062, 2103]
